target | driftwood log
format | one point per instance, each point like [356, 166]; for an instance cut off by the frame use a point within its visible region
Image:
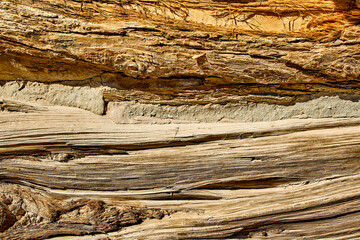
[163, 119]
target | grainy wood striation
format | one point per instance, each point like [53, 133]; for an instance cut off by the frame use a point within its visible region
[86, 87]
[216, 180]
[218, 52]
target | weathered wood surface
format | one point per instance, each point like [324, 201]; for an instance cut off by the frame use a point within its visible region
[285, 179]
[210, 55]
[66, 173]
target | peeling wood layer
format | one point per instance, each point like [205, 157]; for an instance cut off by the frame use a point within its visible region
[117, 45]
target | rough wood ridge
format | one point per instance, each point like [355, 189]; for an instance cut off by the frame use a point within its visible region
[183, 181]
[145, 46]
[163, 119]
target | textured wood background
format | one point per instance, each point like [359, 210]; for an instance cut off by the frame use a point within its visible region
[284, 179]
[69, 170]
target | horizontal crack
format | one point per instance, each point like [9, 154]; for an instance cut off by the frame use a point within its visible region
[249, 184]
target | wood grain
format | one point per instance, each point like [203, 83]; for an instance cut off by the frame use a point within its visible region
[286, 179]
[67, 173]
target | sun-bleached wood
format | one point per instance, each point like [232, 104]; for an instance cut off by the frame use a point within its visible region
[215, 180]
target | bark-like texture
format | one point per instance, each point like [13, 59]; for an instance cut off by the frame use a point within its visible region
[164, 119]
[146, 45]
